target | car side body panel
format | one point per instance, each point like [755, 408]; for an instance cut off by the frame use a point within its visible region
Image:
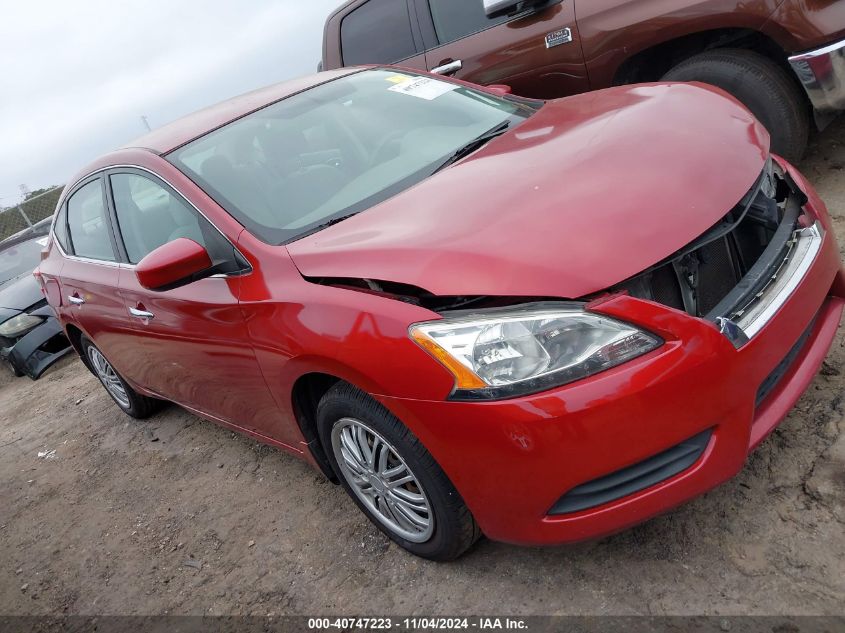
[605, 34]
[297, 327]
[614, 30]
[801, 25]
[100, 314]
[515, 53]
[196, 338]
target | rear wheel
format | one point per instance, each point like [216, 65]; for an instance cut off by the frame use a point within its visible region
[765, 88]
[392, 477]
[130, 401]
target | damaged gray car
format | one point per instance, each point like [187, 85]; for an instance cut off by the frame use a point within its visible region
[31, 339]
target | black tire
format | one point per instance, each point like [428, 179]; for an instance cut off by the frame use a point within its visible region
[135, 404]
[767, 89]
[455, 529]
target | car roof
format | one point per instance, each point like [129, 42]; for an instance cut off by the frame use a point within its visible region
[192, 126]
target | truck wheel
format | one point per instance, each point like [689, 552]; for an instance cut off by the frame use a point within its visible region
[765, 88]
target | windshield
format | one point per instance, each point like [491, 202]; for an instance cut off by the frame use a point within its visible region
[20, 258]
[338, 148]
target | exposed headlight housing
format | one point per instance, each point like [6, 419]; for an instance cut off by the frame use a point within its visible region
[19, 325]
[507, 352]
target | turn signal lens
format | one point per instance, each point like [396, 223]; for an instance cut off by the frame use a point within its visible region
[464, 378]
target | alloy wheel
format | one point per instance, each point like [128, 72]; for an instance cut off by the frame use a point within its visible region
[108, 376]
[382, 480]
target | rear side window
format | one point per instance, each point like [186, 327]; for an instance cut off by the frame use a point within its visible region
[88, 223]
[149, 216]
[378, 32]
[60, 229]
[454, 19]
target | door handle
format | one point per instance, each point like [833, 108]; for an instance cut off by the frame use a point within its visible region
[448, 68]
[141, 314]
[76, 300]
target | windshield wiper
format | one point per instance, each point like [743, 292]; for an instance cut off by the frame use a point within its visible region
[332, 222]
[473, 145]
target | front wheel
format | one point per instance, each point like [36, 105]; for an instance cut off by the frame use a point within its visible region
[767, 89]
[130, 401]
[392, 477]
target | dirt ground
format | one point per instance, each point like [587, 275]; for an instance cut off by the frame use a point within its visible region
[176, 515]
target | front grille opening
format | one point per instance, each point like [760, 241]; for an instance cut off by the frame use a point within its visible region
[634, 478]
[702, 278]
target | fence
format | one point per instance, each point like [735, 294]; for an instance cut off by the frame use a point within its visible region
[27, 213]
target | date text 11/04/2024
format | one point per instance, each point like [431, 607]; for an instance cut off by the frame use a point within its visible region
[416, 623]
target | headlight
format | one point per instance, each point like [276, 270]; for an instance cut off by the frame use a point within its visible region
[18, 325]
[508, 352]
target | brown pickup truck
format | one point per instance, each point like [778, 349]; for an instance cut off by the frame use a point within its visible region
[785, 59]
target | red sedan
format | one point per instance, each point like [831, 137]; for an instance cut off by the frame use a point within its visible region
[540, 321]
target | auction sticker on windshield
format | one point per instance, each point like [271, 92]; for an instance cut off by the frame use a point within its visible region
[423, 88]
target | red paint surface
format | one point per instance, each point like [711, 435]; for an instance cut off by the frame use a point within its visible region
[588, 192]
[581, 196]
[171, 263]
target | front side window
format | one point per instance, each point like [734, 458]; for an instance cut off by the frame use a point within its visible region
[150, 215]
[88, 223]
[378, 32]
[454, 19]
[338, 148]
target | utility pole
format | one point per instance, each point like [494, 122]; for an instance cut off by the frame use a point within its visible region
[25, 191]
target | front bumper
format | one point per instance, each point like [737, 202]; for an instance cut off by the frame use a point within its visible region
[36, 350]
[513, 461]
[822, 73]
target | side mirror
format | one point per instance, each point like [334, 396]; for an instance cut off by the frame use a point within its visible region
[178, 262]
[500, 89]
[495, 8]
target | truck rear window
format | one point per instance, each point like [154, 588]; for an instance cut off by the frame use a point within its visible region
[378, 32]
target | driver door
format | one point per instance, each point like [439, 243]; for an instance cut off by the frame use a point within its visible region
[190, 343]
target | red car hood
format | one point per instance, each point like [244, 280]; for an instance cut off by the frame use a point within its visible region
[588, 192]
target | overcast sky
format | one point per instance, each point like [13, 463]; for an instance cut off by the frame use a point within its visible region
[78, 74]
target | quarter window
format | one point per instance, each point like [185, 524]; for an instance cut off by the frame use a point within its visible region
[88, 223]
[378, 32]
[454, 19]
[60, 228]
[150, 216]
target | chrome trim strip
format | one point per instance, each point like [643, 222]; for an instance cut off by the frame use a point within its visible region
[822, 73]
[817, 52]
[123, 264]
[807, 245]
